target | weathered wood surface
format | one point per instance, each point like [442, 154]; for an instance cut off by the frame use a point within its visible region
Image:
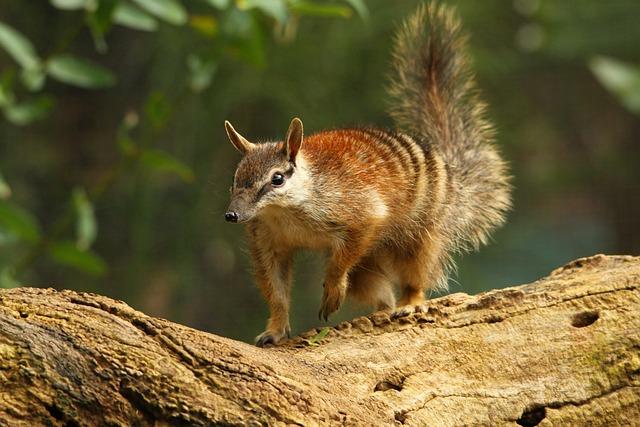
[564, 350]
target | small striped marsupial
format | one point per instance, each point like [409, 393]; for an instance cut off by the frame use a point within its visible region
[390, 207]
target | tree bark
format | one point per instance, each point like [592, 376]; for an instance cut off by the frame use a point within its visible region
[564, 350]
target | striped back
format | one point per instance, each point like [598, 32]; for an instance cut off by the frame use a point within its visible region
[406, 175]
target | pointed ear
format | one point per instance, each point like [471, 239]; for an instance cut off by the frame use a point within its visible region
[293, 141]
[238, 141]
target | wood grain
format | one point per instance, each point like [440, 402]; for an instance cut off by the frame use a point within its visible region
[564, 350]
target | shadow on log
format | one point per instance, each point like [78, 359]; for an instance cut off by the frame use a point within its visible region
[564, 350]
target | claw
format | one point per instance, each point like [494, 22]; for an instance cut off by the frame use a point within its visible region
[332, 299]
[272, 337]
[263, 340]
[402, 312]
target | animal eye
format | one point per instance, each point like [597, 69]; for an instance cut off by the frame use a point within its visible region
[277, 179]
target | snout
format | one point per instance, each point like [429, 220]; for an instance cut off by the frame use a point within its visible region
[241, 209]
[231, 216]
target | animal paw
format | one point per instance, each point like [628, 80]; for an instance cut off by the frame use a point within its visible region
[332, 299]
[272, 337]
[404, 311]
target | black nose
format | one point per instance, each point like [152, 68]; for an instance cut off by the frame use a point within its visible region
[231, 217]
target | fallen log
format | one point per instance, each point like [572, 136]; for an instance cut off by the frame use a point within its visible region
[564, 350]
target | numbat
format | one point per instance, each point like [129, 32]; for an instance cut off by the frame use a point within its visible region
[389, 206]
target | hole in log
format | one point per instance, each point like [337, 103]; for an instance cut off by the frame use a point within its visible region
[387, 385]
[585, 318]
[532, 416]
[391, 383]
[401, 416]
[55, 412]
[494, 319]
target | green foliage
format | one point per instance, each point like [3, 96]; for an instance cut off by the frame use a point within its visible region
[86, 226]
[69, 254]
[157, 109]
[621, 79]
[18, 46]
[5, 190]
[359, 7]
[277, 9]
[220, 4]
[7, 278]
[28, 111]
[228, 29]
[79, 72]
[170, 11]
[19, 222]
[165, 162]
[201, 72]
[244, 36]
[127, 15]
[69, 4]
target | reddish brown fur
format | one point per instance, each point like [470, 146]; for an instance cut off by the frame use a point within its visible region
[389, 208]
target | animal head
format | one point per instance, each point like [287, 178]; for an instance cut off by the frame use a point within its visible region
[268, 174]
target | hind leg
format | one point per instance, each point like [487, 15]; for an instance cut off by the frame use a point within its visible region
[421, 271]
[369, 285]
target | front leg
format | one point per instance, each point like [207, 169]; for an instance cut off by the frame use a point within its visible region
[273, 275]
[343, 258]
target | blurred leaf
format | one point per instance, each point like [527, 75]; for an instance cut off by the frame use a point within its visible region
[170, 11]
[86, 225]
[101, 16]
[28, 111]
[6, 239]
[165, 162]
[132, 17]
[620, 78]
[126, 145]
[69, 4]
[157, 109]
[6, 95]
[5, 190]
[201, 72]
[18, 46]
[321, 9]
[79, 72]
[277, 9]
[220, 4]
[247, 39]
[19, 222]
[360, 7]
[204, 24]
[33, 78]
[237, 23]
[100, 21]
[7, 278]
[68, 254]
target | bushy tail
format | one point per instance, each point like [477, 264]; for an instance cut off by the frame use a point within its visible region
[434, 97]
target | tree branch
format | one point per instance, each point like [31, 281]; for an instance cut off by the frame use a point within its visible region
[562, 350]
